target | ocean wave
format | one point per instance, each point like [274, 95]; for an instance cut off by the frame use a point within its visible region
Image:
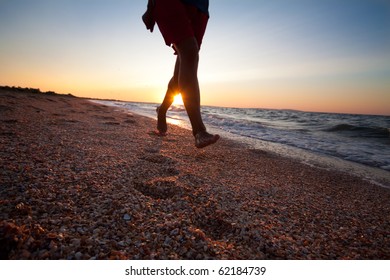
[361, 131]
[179, 108]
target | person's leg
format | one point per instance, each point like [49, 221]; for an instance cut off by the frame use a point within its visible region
[184, 27]
[172, 90]
[188, 52]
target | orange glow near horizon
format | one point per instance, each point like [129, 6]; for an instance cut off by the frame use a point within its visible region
[355, 101]
[327, 57]
[329, 99]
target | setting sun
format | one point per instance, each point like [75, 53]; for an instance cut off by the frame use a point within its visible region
[178, 100]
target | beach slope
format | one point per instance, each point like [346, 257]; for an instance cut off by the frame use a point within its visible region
[80, 180]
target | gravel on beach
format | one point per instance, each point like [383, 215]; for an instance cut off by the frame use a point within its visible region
[80, 180]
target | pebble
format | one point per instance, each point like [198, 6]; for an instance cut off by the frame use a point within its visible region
[175, 232]
[167, 241]
[75, 242]
[78, 255]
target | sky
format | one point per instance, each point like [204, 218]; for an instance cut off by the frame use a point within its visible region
[310, 55]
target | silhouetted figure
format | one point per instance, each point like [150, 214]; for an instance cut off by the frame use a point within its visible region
[182, 24]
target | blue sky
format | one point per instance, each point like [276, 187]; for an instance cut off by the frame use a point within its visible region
[315, 55]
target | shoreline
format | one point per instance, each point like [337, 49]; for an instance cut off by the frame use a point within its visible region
[84, 181]
[375, 175]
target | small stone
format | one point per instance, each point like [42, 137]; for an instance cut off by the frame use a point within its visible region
[43, 254]
[53, 246]
[76, 242]
[167, 241]
[25, 255]
[78, 255]
[126, 217]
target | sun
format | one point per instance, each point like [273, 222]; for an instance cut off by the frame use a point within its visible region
[178, 100]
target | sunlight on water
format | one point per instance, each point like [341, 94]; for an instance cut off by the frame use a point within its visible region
[175, 121]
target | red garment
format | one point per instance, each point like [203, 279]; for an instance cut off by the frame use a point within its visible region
[178, 21]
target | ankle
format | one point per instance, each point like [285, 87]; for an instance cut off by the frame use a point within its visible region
[161, 113]
[201, 131]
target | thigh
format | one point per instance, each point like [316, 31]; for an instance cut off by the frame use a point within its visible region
[198, 22]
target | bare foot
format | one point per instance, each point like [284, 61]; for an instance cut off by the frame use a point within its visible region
[204, 139]
[161, 123]
[159, 133]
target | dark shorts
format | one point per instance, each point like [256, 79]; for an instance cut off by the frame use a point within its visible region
[178, 21]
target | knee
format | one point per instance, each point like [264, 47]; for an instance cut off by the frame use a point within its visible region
[173, 85]
[188, 50]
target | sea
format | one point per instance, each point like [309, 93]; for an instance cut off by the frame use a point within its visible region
[358, 144]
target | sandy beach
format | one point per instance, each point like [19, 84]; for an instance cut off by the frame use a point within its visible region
[80, 180]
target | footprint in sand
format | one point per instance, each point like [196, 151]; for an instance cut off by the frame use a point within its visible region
[159, 188]
[98, 109]
[167, 163]
[4, 108]
[159, 159]
[51, 100]
[108, 120]
[130, 121]
[215, 227]
[37, 109]
[7, 134]
[10, 121]
[58, 115]
[191, 180]
[112, 123]
[152, 150]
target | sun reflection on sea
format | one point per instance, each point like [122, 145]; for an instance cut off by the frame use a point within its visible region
[175, 121]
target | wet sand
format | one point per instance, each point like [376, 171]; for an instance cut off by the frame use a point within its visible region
[85, 181]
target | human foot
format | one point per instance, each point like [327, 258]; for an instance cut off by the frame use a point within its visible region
[204, 139]
[161, 123]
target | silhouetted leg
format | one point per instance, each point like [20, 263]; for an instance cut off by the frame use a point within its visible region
[188, 51]
[172, 91]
